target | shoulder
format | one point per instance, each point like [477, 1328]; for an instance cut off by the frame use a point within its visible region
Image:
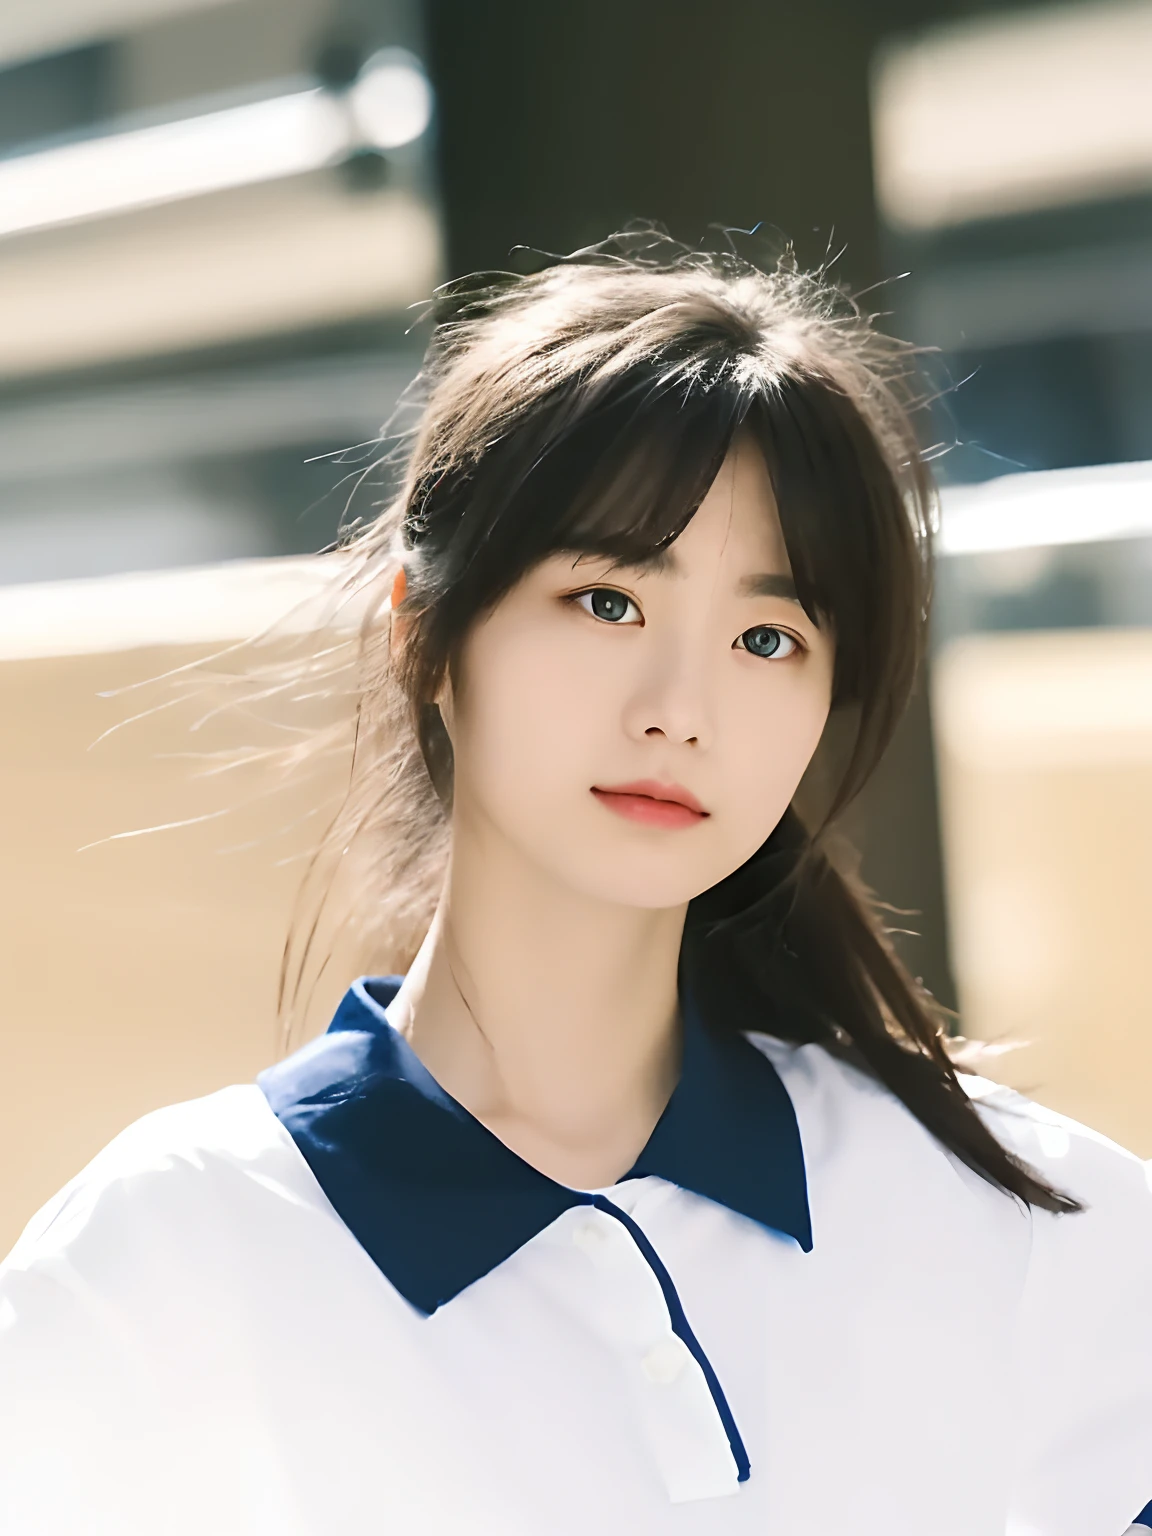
[1098, 1172]
[1084, 1338]
[157, 1184]
[1103, 1176]
[847, 1116]
[131, 1311]
[160, 1258]
[1090, 1276]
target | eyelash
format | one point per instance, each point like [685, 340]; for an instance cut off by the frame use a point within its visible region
[579, 599]
[584, 600]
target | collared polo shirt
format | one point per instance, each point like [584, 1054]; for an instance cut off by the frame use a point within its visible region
[332, 1302]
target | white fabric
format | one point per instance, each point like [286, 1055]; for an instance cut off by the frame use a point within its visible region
[192, 1344]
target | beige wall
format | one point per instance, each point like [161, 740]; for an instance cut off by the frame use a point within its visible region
[1044, 746]
[141, 971]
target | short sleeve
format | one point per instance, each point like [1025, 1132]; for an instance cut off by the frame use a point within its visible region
[1083, 1370]
[116, 1405]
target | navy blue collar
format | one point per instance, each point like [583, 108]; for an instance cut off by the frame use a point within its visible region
[437, 1201]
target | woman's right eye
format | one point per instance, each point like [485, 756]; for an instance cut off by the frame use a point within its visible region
[611, 606]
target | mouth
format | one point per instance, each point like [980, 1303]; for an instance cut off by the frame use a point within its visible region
[652, 804]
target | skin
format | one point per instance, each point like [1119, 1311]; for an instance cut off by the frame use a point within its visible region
[544, 997]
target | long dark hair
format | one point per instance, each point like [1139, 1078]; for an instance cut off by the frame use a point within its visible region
[588, 408]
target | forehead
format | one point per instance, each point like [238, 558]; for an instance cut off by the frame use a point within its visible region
[739, 511]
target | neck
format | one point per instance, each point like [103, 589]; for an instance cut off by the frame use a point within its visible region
[551, 1016]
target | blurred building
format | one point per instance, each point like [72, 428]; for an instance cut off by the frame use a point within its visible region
[1013, 155]
[214, 216]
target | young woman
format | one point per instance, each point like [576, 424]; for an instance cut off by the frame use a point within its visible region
[648, 1200]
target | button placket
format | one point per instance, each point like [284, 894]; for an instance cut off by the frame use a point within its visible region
[670, 1393]
[590, 1237]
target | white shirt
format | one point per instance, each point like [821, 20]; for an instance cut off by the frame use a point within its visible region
[332, 1304]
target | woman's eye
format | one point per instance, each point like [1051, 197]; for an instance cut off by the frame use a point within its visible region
[608, 604]
[765, 640]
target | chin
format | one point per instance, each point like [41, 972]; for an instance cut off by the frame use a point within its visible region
[630, 881]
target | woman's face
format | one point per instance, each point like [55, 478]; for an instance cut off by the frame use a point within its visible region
[636, 733]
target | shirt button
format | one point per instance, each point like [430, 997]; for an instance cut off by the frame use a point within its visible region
[589, 1236]
[664, 1362]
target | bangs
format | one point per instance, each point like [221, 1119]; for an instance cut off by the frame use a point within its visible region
[617, 472]
[632, 475]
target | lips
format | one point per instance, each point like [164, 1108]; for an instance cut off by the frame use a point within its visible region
[652, 789]
[652, 804]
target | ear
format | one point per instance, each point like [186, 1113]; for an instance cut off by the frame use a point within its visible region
[398, 627]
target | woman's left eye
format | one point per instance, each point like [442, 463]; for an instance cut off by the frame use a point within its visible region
[767, 641]
[609, 605]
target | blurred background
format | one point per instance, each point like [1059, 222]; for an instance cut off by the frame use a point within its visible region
[216, 217]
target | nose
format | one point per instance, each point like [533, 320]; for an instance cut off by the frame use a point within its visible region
[671, 701]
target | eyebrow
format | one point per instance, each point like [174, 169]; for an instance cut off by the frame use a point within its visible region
[769, 585]
[663, 562]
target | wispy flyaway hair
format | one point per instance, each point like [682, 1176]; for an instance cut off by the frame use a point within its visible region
[587, 408]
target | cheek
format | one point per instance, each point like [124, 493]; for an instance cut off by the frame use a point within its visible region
[772, 744]
[526, 714]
